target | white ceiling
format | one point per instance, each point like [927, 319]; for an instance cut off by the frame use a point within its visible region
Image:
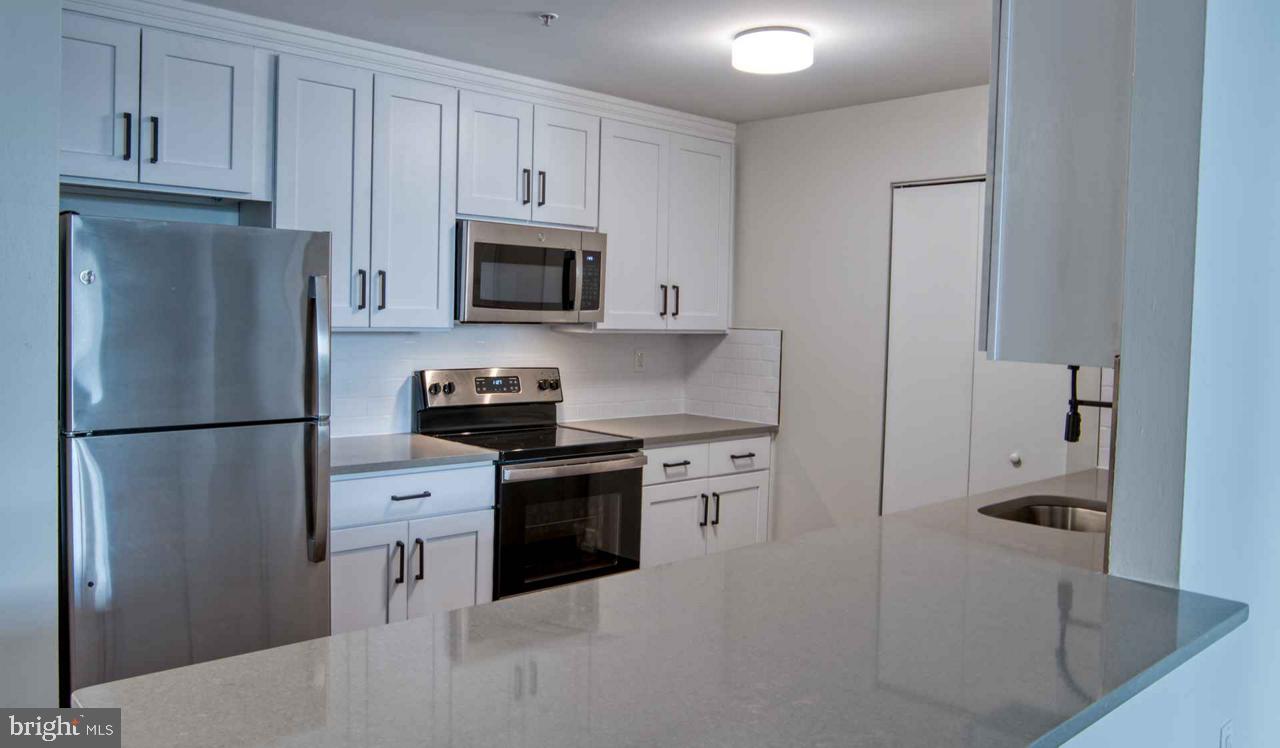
[675, 53]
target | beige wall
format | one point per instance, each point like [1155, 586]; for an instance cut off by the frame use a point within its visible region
[812, 258]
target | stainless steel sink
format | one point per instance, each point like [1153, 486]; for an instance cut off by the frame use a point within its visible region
[1058, 512]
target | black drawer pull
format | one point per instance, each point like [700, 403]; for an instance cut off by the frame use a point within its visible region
[705, 501]
[128, 136]
[682, 463]
[746, 456]
[716, 521]
[400, 550]
[422, 564]
[411, 496]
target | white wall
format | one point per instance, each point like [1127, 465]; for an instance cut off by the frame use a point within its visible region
[29, 64]
[1231, 509]
[812, 259]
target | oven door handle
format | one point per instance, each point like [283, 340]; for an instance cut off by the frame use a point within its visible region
[571, 468]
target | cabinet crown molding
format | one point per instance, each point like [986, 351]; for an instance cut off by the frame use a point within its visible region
[288, 38]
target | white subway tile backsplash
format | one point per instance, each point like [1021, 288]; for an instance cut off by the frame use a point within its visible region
[730, 376]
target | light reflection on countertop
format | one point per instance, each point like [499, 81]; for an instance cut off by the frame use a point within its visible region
[894, 632]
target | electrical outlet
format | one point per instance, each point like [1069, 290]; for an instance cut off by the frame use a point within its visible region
[638, 362]
[1226, 737]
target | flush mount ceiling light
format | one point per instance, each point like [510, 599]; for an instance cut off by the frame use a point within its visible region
[770, 50]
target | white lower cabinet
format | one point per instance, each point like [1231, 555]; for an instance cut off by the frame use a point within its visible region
[688, 518]
[409, 545]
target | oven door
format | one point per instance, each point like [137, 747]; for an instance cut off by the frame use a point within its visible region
[567, 520]
[518, 273]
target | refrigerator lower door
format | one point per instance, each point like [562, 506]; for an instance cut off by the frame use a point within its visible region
[187, 324]
[185, 546]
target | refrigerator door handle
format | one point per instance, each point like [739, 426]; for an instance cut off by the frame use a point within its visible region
[318, 318]
[317, 479]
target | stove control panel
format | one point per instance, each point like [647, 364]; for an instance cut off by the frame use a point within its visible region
[438, 388]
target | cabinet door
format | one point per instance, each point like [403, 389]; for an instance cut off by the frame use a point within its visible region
[673, 526]
[197, 112]
[739, 511]
[324, 115]
[700, 229]
[368, 576]
[495, 156]
[98, 134]
[566, 165]
[634, 175]
[451, 562]
[414, 161]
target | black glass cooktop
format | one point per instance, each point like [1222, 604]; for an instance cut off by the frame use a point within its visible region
[545, 442]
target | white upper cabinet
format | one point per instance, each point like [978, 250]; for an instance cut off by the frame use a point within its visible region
[324, 118]
[634, 163]
[98, 137]
[495, 156]
[701, 227]
[524, 162]
[666, 204]
[414, 165]
[566, 164]
[197, 112]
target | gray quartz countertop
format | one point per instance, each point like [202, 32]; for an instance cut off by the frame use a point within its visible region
[894, 632]
[371, 454]
[680, 428]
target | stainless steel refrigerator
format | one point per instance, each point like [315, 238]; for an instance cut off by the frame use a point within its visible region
[195, 443]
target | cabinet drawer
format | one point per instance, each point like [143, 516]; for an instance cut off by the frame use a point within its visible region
[739, 456]
[363, 501]
[675, 463]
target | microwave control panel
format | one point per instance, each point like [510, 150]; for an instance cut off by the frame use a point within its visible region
[591, 280]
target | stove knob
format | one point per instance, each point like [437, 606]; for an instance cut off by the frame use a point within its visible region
[543, 384]
[434, 389]
[555, 384]
[449, 388]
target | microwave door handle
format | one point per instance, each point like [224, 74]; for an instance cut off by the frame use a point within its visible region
[570, 281]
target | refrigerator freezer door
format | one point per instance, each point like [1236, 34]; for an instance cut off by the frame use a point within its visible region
[185, 546]
[174, 324]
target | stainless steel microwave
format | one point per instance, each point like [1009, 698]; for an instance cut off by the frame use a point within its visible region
[513, 273]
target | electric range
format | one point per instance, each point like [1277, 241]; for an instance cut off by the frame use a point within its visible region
[568, 500]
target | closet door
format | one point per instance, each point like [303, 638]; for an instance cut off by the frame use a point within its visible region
[324, 114]
[933, 304]
[197, 112]
[98, 133]
[414, 162]
[634, 167]
[495, 156]
[566, 165]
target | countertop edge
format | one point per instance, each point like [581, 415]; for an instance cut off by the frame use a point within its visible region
[1117, 696]
[426, 462]
[710, 436]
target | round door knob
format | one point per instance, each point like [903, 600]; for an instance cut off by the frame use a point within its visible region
[543, 384]
[1015, 459]
[449, 388]
[434, 389]
[555, 384]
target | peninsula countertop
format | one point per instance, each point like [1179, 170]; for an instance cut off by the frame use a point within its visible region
[679, 428]
[894, 632]
[370, 454]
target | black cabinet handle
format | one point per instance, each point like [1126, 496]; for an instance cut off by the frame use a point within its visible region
[410, 496]
[676, 313]
[128, 136]
[682, 463]
[746, 456]
[528, 187]
[705, 501]
[400, 550]
[716, 521]
[155, 140]
[663, 286]
[364, 289]
[420, 547]
[382, 285]
[542, 188]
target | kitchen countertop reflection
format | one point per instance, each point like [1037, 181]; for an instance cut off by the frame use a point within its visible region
[890, 633]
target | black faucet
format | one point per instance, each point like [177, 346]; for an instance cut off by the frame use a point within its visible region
[1072, 430]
